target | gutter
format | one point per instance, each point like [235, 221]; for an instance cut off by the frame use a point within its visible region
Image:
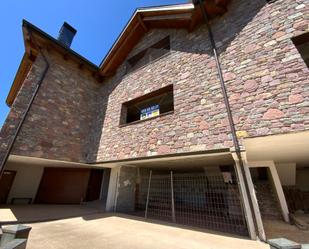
[228, 110]
[11, 145]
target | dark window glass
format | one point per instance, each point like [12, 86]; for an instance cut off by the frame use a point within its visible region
[148, 106]
[150, 54]
[302, 44]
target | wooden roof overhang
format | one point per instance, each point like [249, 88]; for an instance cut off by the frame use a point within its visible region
[179, 16]
[35, 39]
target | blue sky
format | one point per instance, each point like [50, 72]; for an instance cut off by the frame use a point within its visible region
[98, 23]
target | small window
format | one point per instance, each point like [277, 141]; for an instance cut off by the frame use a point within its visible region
[302, 44]
[148, 106]
[150, 54]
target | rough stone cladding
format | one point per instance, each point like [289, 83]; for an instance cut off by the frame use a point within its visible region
[267, 83]
[59, 122]
[75, 119]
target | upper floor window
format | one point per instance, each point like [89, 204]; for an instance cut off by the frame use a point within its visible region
[148, 106]
[302, 44]
[149, 54]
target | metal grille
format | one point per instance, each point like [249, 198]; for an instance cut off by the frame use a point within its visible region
[202, 199]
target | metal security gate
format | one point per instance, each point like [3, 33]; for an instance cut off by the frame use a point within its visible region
[209, 199]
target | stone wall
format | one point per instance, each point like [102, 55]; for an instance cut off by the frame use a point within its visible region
[75, 119]
[267, 83]
[59, 122]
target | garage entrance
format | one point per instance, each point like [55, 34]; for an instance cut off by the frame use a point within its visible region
[6, 182]
[69, 185]
[206, 198]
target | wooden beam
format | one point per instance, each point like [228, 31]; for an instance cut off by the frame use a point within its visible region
[184, 16]
[196, 15]
[122, 45]
[140, 20]
[81, 66]
[66, 56]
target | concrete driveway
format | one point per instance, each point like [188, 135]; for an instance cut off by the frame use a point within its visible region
[116, 232]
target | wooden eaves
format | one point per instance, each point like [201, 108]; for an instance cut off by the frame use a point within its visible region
[179, 16]
[34, 38]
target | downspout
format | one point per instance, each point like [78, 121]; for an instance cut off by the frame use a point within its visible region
[227, 106]
[11, 145]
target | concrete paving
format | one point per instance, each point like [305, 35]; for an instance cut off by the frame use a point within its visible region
[10, 214]
[279, 229]
[126, 232]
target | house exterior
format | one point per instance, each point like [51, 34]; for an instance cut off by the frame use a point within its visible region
[148, 132]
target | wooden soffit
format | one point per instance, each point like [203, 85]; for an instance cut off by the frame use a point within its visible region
[35, 39]
[181, 16]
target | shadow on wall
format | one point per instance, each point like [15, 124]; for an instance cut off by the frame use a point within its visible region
[100, 105]
[225, 29]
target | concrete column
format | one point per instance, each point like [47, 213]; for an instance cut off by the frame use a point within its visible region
[126, 189]
[105, 184]
[255, 204]
[112, 190]
[245, 200]
[280, 193]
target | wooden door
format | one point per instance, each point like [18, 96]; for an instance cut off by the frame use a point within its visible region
[6, 183]
[63, 186]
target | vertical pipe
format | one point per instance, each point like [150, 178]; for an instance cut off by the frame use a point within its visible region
[148, 193]
[172, 196]
[25, 114]
[226, 101]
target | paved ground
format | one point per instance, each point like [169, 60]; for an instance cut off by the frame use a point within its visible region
[126, 232]
[33, 213]
[280, 229]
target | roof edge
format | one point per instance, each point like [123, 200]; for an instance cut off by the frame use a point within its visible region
[187, 6]
[26, 62]
[28, 25]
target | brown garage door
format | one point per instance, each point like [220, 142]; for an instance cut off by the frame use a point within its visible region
[63, 186]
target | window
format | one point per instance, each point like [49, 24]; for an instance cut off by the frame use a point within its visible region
[148, 106]
[150, 54]
[302, 44]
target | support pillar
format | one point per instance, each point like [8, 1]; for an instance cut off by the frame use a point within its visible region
[125, 198]
[112, 190]
[280, 193]
[245, 196]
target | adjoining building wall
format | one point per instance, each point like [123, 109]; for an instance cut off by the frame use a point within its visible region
[287, 173]
[302, 176]
[266, 81]
[59, 122]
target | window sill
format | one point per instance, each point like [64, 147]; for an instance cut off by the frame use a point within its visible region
[147, 119]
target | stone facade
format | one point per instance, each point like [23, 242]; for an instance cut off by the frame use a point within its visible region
[75, 119]
[267, 83]
[59, 121]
